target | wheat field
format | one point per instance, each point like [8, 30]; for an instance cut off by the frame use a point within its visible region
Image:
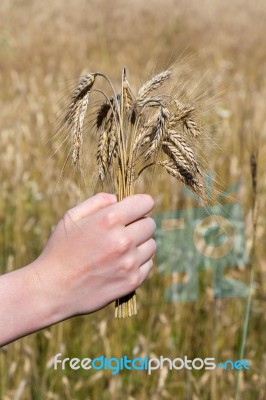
[218, 50]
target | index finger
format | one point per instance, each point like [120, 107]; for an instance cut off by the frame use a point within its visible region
[132, 208]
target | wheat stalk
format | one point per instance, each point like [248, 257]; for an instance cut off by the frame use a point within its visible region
[134, 133]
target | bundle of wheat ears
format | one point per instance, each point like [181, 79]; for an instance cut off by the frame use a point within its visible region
[135, 132]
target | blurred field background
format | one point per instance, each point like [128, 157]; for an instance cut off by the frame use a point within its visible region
[44, 47]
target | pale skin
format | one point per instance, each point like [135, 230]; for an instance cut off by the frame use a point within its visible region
[99, 251]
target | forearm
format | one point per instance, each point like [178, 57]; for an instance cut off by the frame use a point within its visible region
[23, 306]
[99, 251]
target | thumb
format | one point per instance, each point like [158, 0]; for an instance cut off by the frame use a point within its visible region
[91, 205]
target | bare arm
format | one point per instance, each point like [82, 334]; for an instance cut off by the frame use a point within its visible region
[99, 251]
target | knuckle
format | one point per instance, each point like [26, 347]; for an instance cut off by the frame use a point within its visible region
[133, 282]
[101, 195]
[123, 244]
[111, 219]
[128, 264]
[104, 196]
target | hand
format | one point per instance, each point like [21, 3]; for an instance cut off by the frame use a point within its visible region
[99, 251]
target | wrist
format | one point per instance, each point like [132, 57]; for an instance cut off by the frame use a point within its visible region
[25, 306]
[48, 304]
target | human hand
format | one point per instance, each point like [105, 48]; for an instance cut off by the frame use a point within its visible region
[100, 250]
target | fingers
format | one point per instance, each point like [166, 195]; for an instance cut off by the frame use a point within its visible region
[138, 270]
[144, 271]
[140, 231]
[132, 208]
[91, 205]
[146, 251]
[126, 211]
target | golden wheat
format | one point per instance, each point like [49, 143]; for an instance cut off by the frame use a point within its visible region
[134, 133]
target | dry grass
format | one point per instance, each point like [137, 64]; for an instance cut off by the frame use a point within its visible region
[44, 47]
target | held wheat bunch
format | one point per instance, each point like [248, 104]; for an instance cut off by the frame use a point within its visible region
[133, 133]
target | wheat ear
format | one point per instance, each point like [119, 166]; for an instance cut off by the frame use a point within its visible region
[134, 133]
